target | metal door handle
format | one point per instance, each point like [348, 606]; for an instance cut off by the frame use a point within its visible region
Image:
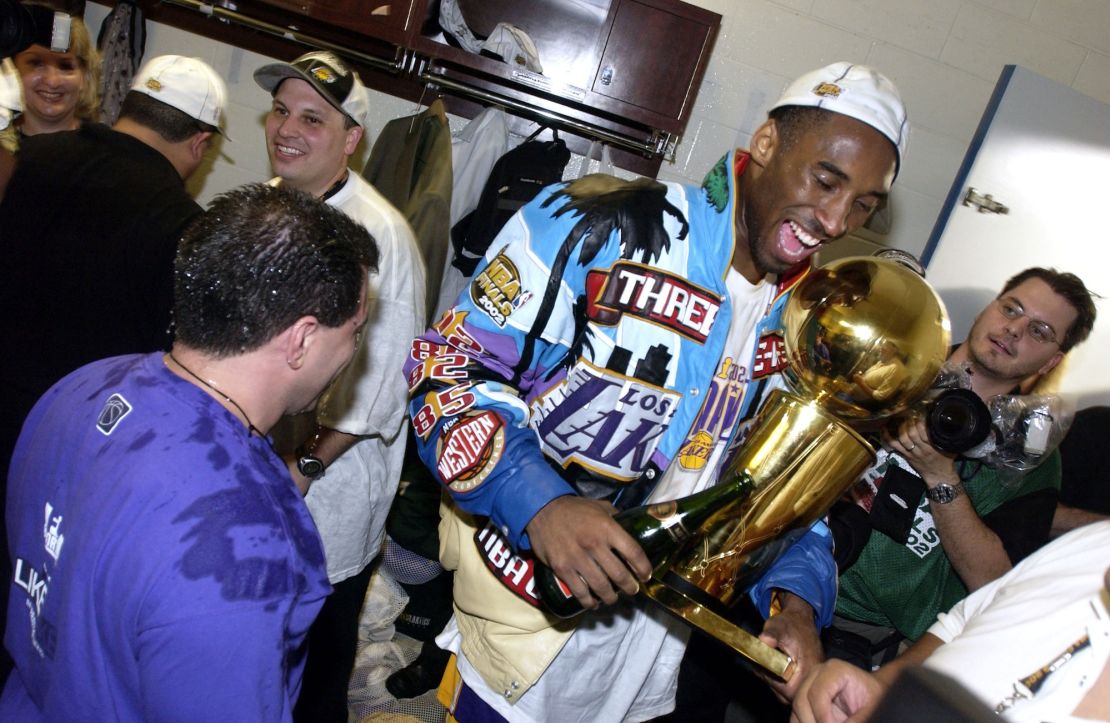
[985, 203]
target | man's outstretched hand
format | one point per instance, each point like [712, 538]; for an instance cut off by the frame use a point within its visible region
[579, 540]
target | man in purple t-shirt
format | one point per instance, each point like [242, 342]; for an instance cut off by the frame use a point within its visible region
[166, 567]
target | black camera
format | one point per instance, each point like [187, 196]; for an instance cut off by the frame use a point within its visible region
[957, 420]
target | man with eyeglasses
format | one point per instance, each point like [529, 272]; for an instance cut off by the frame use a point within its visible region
[974, 522]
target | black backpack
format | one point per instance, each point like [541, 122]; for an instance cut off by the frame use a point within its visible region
[515, 180]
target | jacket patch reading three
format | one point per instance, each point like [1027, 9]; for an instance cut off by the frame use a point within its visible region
[653, 295]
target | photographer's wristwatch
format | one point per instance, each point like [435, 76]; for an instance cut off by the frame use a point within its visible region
[943, 494]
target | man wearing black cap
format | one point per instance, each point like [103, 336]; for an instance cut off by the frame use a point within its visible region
[349, 461]
[606, 349]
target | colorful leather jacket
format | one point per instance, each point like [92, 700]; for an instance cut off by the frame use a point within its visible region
[583, 351]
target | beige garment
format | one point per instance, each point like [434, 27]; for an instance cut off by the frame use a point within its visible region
[508, 641]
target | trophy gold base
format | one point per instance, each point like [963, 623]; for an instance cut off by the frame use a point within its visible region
[799, 459]
[702, 618]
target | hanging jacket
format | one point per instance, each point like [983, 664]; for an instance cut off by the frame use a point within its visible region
[122, 42]
[410, 164]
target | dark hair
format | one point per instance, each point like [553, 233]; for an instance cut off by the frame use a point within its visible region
[1072, 289]
[172, 124]
[794, 121]
[260, 258]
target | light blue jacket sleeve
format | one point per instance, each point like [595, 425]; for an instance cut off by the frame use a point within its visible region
[470, 395]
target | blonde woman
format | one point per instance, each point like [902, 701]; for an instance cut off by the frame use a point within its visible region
[60, 89]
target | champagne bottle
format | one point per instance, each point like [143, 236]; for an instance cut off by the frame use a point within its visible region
[660, 529]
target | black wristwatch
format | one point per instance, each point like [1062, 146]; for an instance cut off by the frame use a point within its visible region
[308, 463]
[310, 466]
[942, 494]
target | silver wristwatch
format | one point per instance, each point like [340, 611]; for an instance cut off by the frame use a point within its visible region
[308, 462]
[942, 494]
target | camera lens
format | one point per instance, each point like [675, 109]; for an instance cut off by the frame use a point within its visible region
[957, 420]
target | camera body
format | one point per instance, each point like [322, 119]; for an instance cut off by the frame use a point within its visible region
[1009, 430]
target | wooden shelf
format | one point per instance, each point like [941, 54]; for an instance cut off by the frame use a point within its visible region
[604, 74]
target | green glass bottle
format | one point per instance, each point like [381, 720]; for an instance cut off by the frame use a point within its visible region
[661, 529]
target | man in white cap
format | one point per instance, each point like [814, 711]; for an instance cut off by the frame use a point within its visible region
[348, 459]
[603, 356]
[89, 223]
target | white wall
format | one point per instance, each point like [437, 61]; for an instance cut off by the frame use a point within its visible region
[943, 54]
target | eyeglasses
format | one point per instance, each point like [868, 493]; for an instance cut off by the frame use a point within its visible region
[1039, 331]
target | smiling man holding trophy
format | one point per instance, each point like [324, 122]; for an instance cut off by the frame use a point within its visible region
[601, 360]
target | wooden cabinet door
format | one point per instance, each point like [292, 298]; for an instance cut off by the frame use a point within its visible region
[655, 55]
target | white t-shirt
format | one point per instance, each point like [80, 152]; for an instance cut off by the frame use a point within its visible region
[621, 664]
[1012, 627]
[350, 502]
[694, 468]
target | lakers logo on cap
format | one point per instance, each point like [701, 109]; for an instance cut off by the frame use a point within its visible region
[828, 90]
[153, 84]
[322, 73]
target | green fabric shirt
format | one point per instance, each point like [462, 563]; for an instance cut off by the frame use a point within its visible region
[906, 586]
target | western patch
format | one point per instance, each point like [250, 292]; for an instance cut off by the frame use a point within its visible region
[468, 451]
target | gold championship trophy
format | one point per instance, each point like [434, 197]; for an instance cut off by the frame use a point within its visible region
[865, 338]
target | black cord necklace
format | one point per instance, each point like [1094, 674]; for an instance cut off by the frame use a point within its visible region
[335, 187]
[251, 429]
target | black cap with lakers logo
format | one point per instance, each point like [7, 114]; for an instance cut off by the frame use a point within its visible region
[331, 77]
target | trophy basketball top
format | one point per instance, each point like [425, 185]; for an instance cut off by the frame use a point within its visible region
[865, 337]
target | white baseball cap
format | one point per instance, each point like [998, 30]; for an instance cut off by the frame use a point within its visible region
[188, 84]
[10, 93]
[856, 91]
[331, 77]
[512, 45]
